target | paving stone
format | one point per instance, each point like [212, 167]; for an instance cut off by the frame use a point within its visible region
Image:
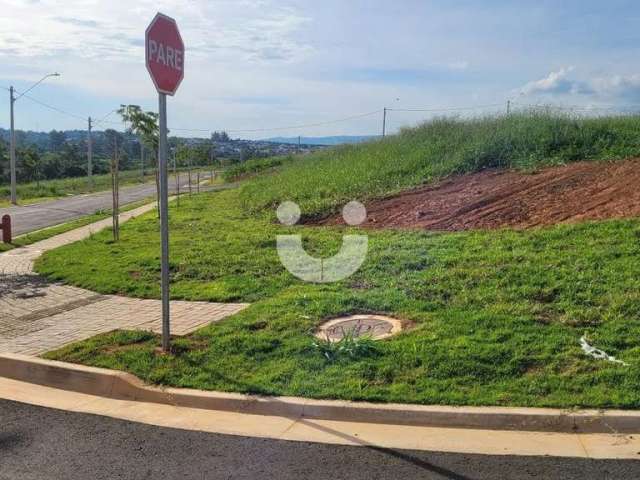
[37, 315]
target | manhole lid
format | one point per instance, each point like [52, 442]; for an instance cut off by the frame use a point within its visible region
[376, 327]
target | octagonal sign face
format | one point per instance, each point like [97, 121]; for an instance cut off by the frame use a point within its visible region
[164, 54]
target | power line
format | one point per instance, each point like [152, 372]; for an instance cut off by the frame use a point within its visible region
[353, 117]
[190, 129]
[449, 109]
[104, 119]
[291, 127]
[55, 109]
[575, 108]
[110, 122]
[65, 112]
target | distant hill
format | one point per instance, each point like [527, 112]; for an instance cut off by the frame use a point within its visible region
[336, 140]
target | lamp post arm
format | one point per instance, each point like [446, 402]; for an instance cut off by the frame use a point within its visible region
[56, 74]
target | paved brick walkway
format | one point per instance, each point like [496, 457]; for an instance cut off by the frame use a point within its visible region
[37, 316]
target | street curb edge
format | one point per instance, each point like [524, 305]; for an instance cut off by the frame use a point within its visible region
[124, 386]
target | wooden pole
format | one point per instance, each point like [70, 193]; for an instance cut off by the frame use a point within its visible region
[178, 189]
[114, 192]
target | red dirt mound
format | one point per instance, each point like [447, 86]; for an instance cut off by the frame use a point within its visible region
[507, 198]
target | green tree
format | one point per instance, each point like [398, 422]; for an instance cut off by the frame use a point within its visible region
[56, 140]
[52, 165]
[73, 161]
[182, 154]
[220, 137]
[142, 124]
[201, 154]
[29, 164]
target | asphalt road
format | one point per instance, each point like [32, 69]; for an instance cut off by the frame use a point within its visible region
[28, 218]
[42, 443]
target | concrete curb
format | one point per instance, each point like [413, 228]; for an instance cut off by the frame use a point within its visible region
[124, 386]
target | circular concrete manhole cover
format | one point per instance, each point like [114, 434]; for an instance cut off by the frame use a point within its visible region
[375, 327]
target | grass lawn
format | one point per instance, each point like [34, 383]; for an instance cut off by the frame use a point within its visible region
[496, 317]
[5, 202]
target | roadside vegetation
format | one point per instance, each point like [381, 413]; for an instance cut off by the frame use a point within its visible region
[52, 189]
[255, 165]
[43, 234]
[495, 317]
[322, 182]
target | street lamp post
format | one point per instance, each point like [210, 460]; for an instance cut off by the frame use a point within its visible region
[12, 150]
[12, 136]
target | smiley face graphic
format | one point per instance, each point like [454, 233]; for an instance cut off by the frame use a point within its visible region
[343, 264]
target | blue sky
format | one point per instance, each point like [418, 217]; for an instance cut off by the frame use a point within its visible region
[253, 64]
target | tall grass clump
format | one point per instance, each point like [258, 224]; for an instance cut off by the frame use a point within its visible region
[254, 165]
[323, 181]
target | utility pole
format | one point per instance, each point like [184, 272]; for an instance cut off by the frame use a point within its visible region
[508, 107]
[142, 159]
[12, 149]
[384, 121]
[89, 151]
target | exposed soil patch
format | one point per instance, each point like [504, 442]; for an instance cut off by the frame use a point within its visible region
[508, 198]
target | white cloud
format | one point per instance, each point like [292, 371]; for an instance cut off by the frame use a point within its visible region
[234, 48]
[613, 88]
[309, 55]
[249, 31]
[556, 83]
[622, 86]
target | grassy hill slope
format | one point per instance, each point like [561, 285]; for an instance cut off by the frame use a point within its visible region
[323, 181]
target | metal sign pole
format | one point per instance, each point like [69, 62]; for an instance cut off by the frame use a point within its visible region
[164, 222]
[164, 57]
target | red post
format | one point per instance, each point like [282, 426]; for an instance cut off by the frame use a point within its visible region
[6, 228]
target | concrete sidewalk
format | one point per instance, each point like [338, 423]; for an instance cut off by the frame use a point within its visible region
[37, 316]
[300, 429]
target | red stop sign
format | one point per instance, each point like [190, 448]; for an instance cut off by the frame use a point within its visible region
[164, 54]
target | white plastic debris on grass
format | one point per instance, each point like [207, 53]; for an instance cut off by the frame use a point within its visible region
[597, 353]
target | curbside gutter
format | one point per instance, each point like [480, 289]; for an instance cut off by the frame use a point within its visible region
[124, 386]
